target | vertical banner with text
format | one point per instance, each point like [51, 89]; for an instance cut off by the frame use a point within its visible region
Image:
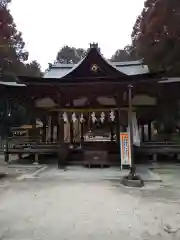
[125, 149]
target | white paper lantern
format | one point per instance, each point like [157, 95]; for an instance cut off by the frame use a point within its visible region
[74, 118]
[81, 118]
[65, 117]
[102, 118]
[94, 119]
[112, 116]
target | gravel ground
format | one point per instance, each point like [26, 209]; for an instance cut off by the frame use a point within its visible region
[15, 170]
[54, 206]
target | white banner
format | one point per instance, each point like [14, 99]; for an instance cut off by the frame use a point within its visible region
[125, 147]
[135, 130]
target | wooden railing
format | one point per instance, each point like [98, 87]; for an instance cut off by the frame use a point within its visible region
[31, 148]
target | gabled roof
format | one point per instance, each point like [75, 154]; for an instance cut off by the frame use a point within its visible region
[93, 65]
[93, 68]
[106, 67]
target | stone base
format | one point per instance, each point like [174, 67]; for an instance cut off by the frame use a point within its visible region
[35, 163]
[135, 181]
[3, 175]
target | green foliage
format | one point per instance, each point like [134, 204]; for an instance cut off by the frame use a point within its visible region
[126, 54]
[13, 57]
[11, 114]
[12, 51]
[70, 55]
[156, 39]
[33, 69]
[121, 55]
[4, 3]
[156, 35]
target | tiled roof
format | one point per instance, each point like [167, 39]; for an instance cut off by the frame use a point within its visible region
[59, 70]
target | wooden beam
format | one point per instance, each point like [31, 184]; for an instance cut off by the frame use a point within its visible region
[82, 109]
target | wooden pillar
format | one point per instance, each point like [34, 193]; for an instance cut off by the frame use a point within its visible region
[52, 129]
[48, 128]
[6, 157]
[130, 123]
[112, 130]
[118, 119]
[149, 131]
[6, 154]
[71, 124]
[63, 152]
[71, 132]
[81, 132]
[36, 159]
[33, 132]
[118, 127]
[61, 129]
[57, 129]
[44, 130]
[89, 122]
[142, 133]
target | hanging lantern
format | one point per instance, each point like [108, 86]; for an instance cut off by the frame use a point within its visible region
[81, 118]
[112, 116]
[94, 119]
[65, 117]
[74, 117]
[102, 118]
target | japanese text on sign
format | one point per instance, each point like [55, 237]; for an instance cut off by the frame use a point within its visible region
[125, 149]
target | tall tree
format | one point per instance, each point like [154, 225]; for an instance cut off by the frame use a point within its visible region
[33, 69]
[13, 58]
[13, 55]
[70, 54]
[156, 38]
[123, 55]
[120, 55]
[156, 35]
[3, 3]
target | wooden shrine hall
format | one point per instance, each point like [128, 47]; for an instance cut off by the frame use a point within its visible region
[83, 108]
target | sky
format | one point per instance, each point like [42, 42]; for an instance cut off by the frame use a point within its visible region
[49, 25]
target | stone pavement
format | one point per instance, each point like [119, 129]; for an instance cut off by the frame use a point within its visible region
[113, 173]
[147, 175]
[85, 203]
[16, 170]
[29, 171]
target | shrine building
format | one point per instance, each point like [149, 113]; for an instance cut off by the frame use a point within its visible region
[84, 107]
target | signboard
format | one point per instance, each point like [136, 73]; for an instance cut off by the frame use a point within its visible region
[125, 149]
